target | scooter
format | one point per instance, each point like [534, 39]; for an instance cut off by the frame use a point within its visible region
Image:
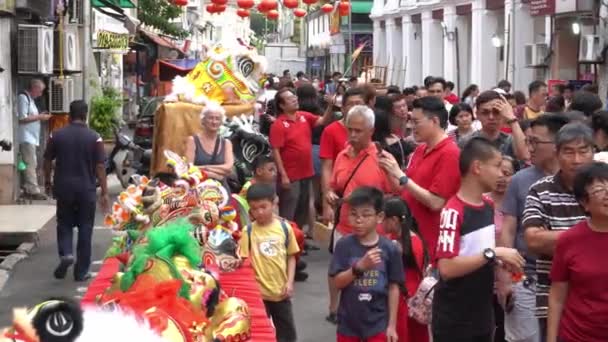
[126, 159]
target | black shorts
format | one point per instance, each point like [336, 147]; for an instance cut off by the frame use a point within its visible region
[282, 318]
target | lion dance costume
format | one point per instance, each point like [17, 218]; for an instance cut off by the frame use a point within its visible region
[173, 239]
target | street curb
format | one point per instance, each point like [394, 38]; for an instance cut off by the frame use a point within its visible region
[10, 261]
[23, 252]
[27, 248]
[4, 275]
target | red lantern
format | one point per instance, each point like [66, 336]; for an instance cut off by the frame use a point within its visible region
[269, 4]
[327, 8]
[219, 8]
[246, 4]
[219, 2]
[300, 13]
[310, 2]
[243, 13]
[180, 2]
[344, 8]
[290, 3]
[210, 8]
[272, 14]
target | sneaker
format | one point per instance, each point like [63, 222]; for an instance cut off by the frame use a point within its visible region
[301, 265]
[300, 276]
[62, 269]
[85, 277]
[38, 196]
[332, 318]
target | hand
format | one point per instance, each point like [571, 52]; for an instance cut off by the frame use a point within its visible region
[505, 109]
[330, 99]
[104, 202]
[504, 286]
[391, 334]
[510, 258]
[44, 117]
[388, 162]
[328, 214]
[285, 183]
[331, 198]
[371, 259]
[269, 117]
[288, 290]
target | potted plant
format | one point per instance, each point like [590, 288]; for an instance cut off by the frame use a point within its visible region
[105, 115]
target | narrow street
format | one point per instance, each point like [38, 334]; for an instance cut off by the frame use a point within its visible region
[32, 281]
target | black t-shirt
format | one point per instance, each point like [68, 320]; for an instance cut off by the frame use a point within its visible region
[463, 307]
[76, 150]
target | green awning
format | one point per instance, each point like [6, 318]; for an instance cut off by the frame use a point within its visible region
[361, 7]
[119, 3]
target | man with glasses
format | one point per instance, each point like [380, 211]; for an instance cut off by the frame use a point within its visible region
[551, 207]
[520, 322]
[432, 175]
[493, 111]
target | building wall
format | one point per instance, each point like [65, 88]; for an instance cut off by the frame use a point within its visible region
[7, 159]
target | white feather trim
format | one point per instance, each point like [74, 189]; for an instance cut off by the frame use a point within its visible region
[115, 326]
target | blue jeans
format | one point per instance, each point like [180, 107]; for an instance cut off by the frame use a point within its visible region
[316, 161]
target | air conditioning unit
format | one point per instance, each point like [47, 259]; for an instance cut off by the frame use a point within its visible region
[67, 49]
[590, 49]
[536, 54]
[75, 12]
[35, 49]
[41, 8]
[61, 94]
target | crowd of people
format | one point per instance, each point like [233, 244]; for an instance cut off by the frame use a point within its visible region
[493, 197]
[493, 194]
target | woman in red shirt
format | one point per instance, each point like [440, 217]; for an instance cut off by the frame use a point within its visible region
[401, 225]
[578, 300]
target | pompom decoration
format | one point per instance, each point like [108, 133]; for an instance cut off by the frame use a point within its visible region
[327, 8]
[300, 13]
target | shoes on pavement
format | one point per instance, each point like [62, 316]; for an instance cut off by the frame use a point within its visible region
[301, 265]
[62, 269]
[332, 318]
[85, 277]
[310, 246]
[300, 276]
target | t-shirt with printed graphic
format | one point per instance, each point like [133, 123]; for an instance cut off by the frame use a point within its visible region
[363, 310]
[463, 307]
[268, 256]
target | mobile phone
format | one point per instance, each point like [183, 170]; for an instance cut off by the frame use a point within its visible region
[379, 147]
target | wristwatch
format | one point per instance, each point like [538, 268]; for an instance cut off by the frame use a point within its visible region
[490, 255]
[357, 272]
[511, 121]
[403, 180]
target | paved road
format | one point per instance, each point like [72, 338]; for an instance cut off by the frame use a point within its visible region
[32, 282]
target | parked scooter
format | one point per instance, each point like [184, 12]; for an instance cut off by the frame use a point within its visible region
[127, 159]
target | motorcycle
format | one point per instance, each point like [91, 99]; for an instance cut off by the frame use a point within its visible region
[247, 144]
[127, 159]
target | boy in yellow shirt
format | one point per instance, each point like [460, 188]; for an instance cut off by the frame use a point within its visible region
[270, 244]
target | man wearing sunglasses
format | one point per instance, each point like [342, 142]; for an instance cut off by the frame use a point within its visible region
[493, 111]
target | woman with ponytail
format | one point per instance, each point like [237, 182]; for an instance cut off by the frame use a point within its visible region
[402, 227]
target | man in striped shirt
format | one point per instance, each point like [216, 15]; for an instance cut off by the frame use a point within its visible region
[551, 207]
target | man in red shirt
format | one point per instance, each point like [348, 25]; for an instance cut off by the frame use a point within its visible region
[432, 175]
[291, 141]
[333, 141]
[356, 166]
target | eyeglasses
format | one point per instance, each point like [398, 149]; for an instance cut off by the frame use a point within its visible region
[362, 216]
[598, 191]
[535, 141]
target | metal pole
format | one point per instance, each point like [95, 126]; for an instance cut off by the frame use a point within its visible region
[507, 49]
[457, 58]
[86, 23]
[350, 34]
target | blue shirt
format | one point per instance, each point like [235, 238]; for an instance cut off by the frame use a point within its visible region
[363, 310]
[514, 203]
[29, 133]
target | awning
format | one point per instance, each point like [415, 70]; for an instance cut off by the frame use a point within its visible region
[169, 68]
[161, 41]
[361, 7]
[119, 3]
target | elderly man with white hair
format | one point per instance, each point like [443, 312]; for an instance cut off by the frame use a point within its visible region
[207, 149]
[356, 166]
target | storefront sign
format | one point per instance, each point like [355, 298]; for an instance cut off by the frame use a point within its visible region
[111, 40]
[542, 7]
